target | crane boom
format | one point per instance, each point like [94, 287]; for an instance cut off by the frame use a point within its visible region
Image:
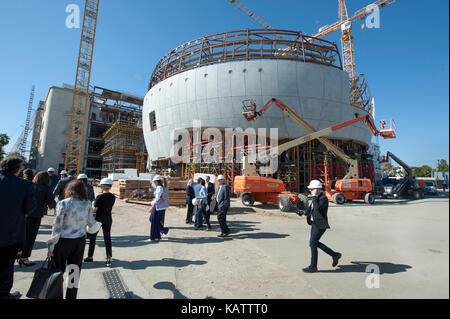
[242, 7]
[358, 15]
[74, 149]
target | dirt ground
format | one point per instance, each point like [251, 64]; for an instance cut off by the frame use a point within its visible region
[407, 241]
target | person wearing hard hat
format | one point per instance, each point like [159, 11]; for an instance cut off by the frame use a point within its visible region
[91, 194]
[63, 174]
[222, 198]
[158, 209]
[102, 207]
[53, 178]
[60, 187]
[316, 216]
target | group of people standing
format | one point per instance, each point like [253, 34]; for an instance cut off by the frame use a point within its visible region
[202, 200]
[25, 199]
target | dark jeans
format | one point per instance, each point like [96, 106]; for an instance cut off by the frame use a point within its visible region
[69, 251]
[7, 257]
[198, 221]
[222, 219]
[189, 212]
[207, 216]
[314, 243]
[106, 228]
[32, 229]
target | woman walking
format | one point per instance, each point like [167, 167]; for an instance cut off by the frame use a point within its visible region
[103, 205]
[67, 241]
[158, 209]
[44, 197]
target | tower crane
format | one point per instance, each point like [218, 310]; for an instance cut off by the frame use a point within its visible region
[359, 89]
[345, 24]
[21, 143]
[80, 100]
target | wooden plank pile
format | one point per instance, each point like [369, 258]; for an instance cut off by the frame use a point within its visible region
[129, 188]
[177, 191]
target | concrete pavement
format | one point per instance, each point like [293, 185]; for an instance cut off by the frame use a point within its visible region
[407, 240]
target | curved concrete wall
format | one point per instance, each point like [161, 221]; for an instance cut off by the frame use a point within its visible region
[214, 95]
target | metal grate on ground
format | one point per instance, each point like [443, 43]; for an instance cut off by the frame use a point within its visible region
[116, 286]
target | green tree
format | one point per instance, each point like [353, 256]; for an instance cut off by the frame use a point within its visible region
[4, 140]
[442, 166]
[422, 171]
[386, 168]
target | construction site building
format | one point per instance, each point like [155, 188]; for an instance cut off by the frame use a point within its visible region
[124, 146]
[105, 108]
[208, 79]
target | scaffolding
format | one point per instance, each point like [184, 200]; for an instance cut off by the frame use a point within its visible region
[297, 166]
[124, 147]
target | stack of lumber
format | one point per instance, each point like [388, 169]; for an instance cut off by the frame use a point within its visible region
[127, 188]
[177, 191]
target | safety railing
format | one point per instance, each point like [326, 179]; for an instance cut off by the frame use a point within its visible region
[250, 44]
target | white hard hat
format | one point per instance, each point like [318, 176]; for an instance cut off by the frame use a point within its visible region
[51, 169]
[95, 228]
[157, 178]
[220, 177]
[315, 184]
[82, 176]
[63, 172]
[106, 181]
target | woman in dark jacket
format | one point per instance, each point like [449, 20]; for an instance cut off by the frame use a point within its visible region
[43, 195]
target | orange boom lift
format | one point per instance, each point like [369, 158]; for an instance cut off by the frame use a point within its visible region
[269, 190]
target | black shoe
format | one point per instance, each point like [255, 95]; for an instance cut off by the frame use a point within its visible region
[223, 235]
[15, 295]
[336, 259]
[25, 263]
[108, 262]
[310, 269]
[88, 259]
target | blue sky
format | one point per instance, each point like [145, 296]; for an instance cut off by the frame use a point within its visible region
[406, 60]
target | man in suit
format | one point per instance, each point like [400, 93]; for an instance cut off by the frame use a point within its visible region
[190, 195]
[223, 204]
[61, 186]
[316, 216]
[211, 190]
[16, 200]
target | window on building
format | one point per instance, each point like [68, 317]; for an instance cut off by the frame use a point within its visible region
[152, 121]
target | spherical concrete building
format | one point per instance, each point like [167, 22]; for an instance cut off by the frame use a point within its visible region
[208, 78]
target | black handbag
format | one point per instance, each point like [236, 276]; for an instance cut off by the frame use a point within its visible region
[47, 282]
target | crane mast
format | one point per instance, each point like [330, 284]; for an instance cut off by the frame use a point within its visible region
[74, 150]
